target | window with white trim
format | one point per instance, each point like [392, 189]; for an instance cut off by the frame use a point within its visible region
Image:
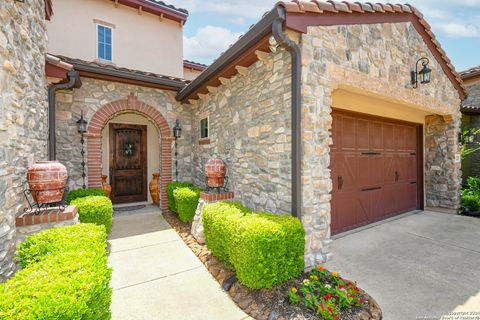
[104, 42]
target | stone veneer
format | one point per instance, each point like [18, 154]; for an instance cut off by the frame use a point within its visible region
[249, 120]
[471, 165]
[96, 94]
[374, 59]
[23, 111]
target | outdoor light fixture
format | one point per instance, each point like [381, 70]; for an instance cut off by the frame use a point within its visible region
[82, 128]
[177, 133]
[423, 75]
[82, 124]
[177, 130]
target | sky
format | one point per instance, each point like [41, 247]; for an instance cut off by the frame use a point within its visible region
[213, 25]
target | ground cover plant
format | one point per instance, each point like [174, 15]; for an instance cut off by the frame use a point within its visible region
[470, 195]
[326, 293]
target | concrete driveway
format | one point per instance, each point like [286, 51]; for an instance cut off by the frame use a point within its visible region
[424, 264]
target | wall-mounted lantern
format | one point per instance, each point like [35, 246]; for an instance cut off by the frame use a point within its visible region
[82, 124]
[82, 128]
[423, 75]
[177, 130]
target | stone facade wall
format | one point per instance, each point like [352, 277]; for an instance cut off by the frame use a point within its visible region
[442, 171]
[471, 165]
[250, 129]
[473, 98]
[23, 111]
[96, 93]
[374, 59]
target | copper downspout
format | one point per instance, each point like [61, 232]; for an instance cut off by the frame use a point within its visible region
[73, 78]
[291, 46]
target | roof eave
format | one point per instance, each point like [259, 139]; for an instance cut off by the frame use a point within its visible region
[170, 83]
[257, 32]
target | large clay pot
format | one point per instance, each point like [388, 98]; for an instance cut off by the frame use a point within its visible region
[154, 189]
[215, 170]
[106, 187]
[46, 181]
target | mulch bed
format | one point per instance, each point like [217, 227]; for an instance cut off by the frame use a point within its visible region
[265, 304]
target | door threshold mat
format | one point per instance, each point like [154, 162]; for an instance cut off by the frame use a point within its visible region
[129, 208]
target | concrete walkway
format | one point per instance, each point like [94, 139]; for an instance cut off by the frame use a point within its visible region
[423, 264]
[156, 276]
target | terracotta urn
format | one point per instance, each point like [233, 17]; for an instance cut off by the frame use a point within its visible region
[106, 187]
[154, 188]
[215, 170]
[46, 181]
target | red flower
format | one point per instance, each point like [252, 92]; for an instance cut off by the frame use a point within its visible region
[328, 296]
[321, 306]
[356, 289]
[330, 309]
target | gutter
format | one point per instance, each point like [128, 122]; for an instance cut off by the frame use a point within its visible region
[74, 81]
[128, 75]
[291, 46]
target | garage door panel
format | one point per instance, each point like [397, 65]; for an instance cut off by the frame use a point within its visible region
[377, 163]
[347, 142]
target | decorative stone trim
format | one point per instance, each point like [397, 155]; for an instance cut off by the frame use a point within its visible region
[94, 141]
[51, 216]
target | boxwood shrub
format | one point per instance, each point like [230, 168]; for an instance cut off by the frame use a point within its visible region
[60, 281]
[471, 202]
[95, 209]
[264, 249]
[81, 193]
[170, 188]
[186, 201]
[78, 237]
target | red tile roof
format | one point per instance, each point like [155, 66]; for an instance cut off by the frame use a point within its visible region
[194, 65]
[368, 12]
[158, 8]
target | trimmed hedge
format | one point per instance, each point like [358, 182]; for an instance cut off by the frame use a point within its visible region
[186, 201]
[78, 237]
[81, 193]
[170, 188]
[264, 249]
[95, 209]
[60, 281]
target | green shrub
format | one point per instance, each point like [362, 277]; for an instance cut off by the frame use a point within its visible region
[471, 202]
[472, 188]
[186, 201]
[81, 193]
[219, 221]
[50, 242]
[60, 281]
[264, 249]
[170, 188]
[95, 209]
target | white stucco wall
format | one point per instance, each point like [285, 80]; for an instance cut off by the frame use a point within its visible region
[140, 41]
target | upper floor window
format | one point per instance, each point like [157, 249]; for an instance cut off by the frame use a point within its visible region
[104, 43]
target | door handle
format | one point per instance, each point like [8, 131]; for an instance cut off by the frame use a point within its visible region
[397, 176]
[340, 182]
[371, 189]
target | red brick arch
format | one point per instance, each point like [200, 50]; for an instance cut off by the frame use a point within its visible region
[94, 140]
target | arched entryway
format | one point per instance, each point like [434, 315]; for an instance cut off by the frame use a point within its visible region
[94, 140]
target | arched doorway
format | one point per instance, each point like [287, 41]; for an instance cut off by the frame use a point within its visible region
[95, 144]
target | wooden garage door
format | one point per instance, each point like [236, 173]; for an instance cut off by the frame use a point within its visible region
[374, 167]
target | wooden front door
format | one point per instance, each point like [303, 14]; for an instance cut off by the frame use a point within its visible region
[375, 169]
[128, 162]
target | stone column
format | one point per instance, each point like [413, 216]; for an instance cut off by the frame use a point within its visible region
[442, 162]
